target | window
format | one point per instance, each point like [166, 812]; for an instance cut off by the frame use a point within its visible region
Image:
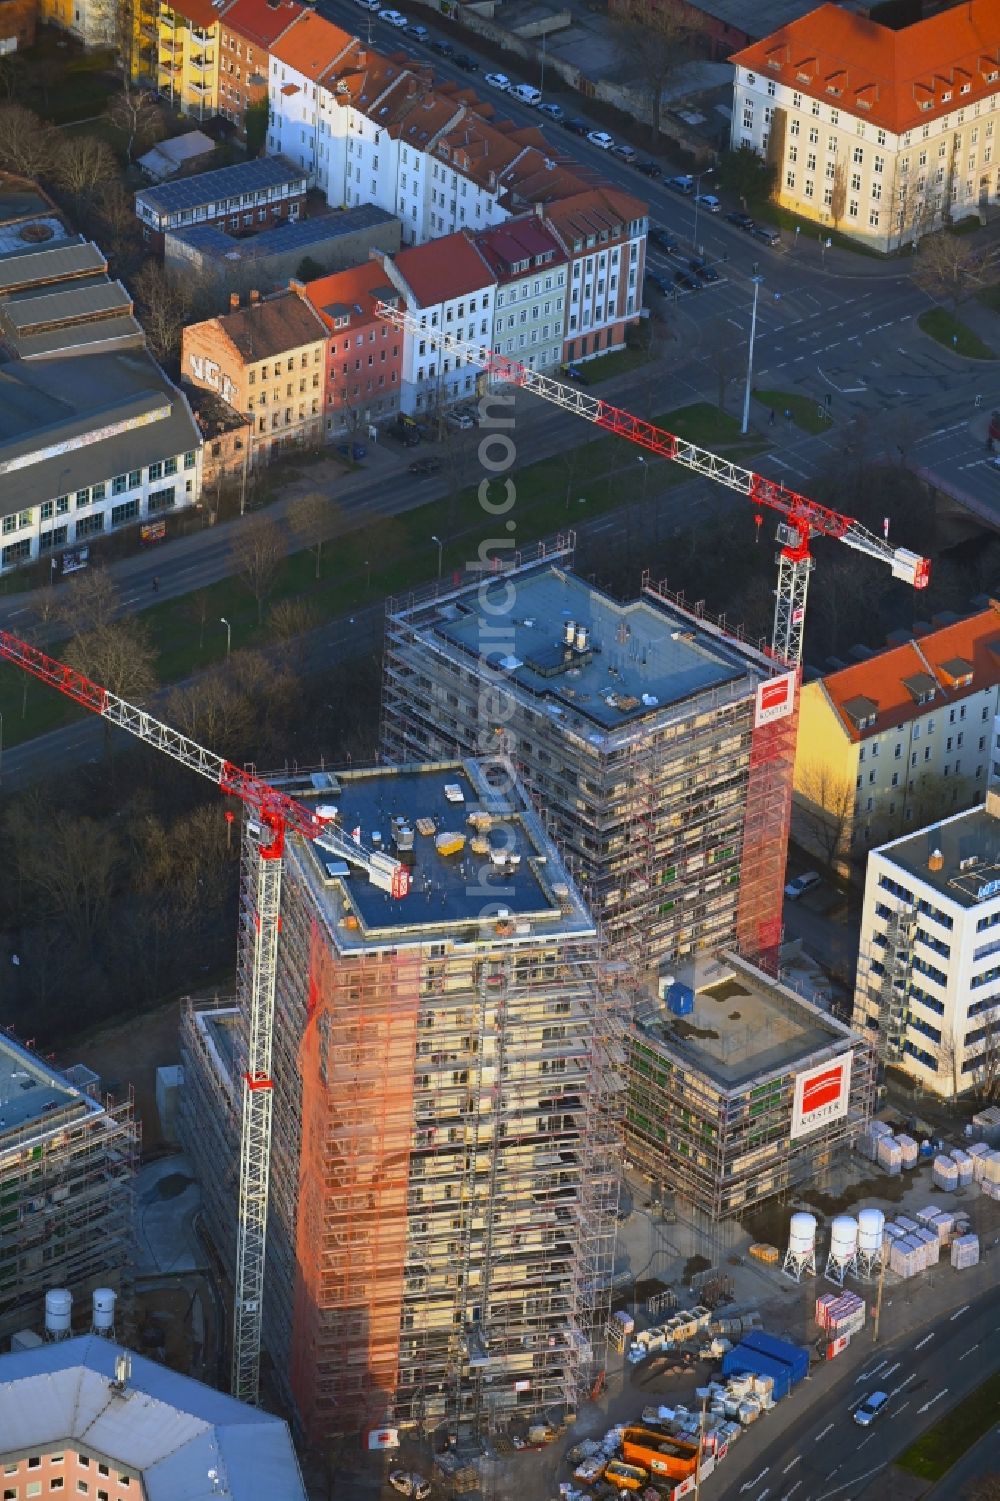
[155, 472]
[127, 511]
[771, 87]
[858, 155]
[790, 180]
[90, 526]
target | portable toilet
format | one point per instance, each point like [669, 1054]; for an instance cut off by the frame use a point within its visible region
[680, 999]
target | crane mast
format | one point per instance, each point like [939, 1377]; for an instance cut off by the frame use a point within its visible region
[802, 519]
[271, 816]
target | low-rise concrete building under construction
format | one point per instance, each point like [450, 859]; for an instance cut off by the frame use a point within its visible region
[644, 730]
[738, 1087]
[445, 1148]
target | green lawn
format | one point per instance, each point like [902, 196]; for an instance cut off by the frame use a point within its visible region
[388, 556]
[947, 330]
[934, 1452]
[809, 233]
[806, 411]
[990, 297]
[619, 362]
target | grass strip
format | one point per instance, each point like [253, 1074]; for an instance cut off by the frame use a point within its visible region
[807, 411]
[947, 330]
[934, 1452]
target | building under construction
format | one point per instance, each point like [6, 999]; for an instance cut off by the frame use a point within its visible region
[447, 1096]
[658, 742]
[67, 1166]
[738, 1087]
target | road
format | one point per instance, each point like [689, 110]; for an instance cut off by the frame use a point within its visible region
[825, 1455]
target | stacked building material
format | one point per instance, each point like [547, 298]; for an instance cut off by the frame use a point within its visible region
[986, 1125]
[890, 1156]
[906, 1224]
[909, 1150]
[978, 1151]
[906, 1257]
[945, 1173]
[932, 1246]
[963, 1162]
[869, 1137]
[964, 1251]
[840, 1313]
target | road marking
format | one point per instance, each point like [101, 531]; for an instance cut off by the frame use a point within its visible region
[888, 1373]
[866, 1440]
[898, 1410]
[791, 1492]
[826, 1430]
[856, 1481]
[21, 611]
[942, 1393]
[867, 1375]
[925, 1341]
[969, 1350]
[959, 1311]
[792, 1465]
[750, 1485]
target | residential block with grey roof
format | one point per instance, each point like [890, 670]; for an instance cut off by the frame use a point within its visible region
[247, 196]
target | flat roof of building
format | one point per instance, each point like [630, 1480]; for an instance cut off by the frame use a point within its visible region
[743, 1026]
[225, 182]
[517, 875]
[637, 657]
[290, 234]
[969, 845]
[29, 1091]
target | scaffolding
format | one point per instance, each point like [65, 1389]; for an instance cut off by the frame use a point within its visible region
[884, 977]
[671, 821]
[66, 1181]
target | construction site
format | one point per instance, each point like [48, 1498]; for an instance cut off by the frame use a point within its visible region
[447, 1095]
[739, 1088]
[67, 1165]
[636, 726]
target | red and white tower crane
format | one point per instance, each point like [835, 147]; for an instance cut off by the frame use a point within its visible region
[271, 815]
[802, 519]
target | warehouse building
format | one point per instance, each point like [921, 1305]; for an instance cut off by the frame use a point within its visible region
[738, 1088]
[445, 1147]
[67, 1165]
[928, 983]
[643, 728]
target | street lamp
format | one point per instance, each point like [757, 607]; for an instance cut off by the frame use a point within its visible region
[697, 195]
[440, 548]
[756, 279]
[645, 477]
[229, 634]
[368, 575]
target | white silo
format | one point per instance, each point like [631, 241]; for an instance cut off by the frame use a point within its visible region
[871, 1232]
[569, 632]
[801, 1254]
[843, 1257]
[102, 1319]
[58, 1313]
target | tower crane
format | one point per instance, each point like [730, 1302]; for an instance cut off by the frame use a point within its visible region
[271, 816]
[802, 519]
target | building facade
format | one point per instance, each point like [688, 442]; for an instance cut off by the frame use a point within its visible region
[362, 382]
[718, 1108]
[266, 359]
[444, 1160]
[529, 264]
[252, 195]
[604, 232]
[928, 984]
[633, 725]
[247, 29]
[883, 135]
[187, 70]
[18, 20]
[896, 740]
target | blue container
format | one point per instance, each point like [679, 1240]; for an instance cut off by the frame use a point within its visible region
[793, 1356]
[742, 1360]
[680, 999]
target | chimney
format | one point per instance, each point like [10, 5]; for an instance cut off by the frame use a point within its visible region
[411, 86]
[362, 57]
[935, 860]
[234, 301]
[298, 287]
[254, 298]
[540, 210]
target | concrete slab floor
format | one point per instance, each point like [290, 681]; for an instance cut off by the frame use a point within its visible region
[167, 1198]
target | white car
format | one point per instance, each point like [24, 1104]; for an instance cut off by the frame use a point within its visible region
[527, 94]
[802, 884]
[462, 420]
[393, 17]
[371, 5]
[497, 81]
[708, 202]
[601, 138]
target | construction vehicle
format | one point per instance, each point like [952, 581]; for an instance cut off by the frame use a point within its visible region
[271, 816]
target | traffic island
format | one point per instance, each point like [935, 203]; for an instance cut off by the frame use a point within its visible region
[949, 331]
[934, 1453]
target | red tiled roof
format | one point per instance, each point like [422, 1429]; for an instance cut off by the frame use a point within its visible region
[275, 325]
[886, 76]
[593, 211]
[200, 13]
[311, 45]
[357, 287]
[260, 21]
[932, 660]
[517, 240]
[443, 269]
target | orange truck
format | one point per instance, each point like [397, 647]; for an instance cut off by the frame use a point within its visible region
[659, 1453]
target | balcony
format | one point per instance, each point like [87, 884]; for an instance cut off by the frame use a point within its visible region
[203, 64]
[201, 90]
[169, 65]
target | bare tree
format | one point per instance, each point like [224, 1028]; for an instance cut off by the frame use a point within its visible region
[653, 42]
[983, 1488]
[89, 602]
[27, 144]
[290, 618]
[83, 164]
[313, 518]
[138, 117]
[724, 355]
[947, 268]
[69, 861]
[258, 553]
[838, 197]
[986, 1073]
[119, 656]
[214, 710]
[164, 300]
[824, 812]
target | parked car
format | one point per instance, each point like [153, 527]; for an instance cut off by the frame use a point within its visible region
[649, 169]
[408, 1483]
[442, 48]
[802, 884]
[354, 451]
[708, 202]
[372, 5]
[661, 283]
[686, 282]
[497, 81]
[661, 238]
[465, 62]
[572, 372]
[425, 466]
[679, 184]
[627, 153]
[741, 220]
[393, 18]
[766, 233]
[462, 420]
[554, 111]
[527, 94]
[702, 269]
[870, 1408]
[574, 126]
[418, 30]
[600, 138]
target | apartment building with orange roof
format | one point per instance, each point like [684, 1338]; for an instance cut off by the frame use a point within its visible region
[890, 743]
[529, 265]
[363, 378]
[247, 31]
[882, 135]
[604, 233]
